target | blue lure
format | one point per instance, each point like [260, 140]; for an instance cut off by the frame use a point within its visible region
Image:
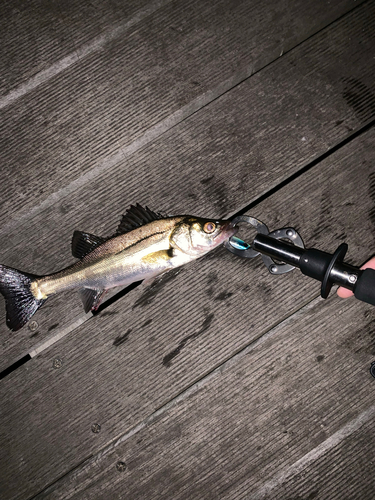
[238, 244]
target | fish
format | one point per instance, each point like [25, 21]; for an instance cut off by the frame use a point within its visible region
[145, 245]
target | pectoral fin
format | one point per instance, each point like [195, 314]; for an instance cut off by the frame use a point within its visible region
[151, 281]
[91, 298]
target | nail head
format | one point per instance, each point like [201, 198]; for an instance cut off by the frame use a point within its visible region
[57, 363]
[121, 466]
[33, 326]
[96, 428]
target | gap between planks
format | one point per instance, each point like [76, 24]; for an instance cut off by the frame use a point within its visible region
[282, 476]
[82, 318]
[152, 133]
[311, 164]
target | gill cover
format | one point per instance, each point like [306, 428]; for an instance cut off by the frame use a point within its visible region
[195, 236]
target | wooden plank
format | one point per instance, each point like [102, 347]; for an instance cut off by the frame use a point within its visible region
[279, 420]
[117, 368]
[345, 471]
[39, 38]
[214, 163]
[160, 71]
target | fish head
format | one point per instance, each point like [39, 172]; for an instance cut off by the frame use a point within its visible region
[196, 236]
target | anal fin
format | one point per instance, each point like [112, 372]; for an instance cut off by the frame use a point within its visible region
[91, 298]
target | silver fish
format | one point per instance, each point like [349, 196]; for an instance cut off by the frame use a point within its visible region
[145, 245]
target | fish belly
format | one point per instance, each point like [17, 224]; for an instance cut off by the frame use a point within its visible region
[111, 271]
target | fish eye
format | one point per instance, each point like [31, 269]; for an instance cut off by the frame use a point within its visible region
[209, 227]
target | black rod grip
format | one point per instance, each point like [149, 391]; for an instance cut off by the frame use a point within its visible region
[365, 287]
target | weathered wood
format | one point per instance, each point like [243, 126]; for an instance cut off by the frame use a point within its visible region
[304, 388]
[181, 58]
[214, 163]
[40, 38]
[148, 347]
[346, 471]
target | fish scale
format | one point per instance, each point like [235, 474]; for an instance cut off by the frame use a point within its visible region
[145, 245]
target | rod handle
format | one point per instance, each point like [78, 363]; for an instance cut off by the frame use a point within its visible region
[365, 287]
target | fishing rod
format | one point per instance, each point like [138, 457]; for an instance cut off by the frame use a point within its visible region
[283, 250]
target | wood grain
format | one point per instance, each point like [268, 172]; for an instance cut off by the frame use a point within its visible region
[159, 72]
[304, 389]
[344, 472]
[39, 39]
[118, 384]
[214, 163]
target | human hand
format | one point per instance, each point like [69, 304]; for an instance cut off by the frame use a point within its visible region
[344, 292]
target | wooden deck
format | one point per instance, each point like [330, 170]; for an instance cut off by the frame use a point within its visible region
[218, 381]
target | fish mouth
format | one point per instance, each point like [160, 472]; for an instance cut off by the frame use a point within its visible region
[228, 230]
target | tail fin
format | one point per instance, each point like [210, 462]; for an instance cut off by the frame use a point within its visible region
[19, 301]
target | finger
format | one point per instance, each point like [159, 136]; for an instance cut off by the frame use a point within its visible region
[344, 293]
[370, 264]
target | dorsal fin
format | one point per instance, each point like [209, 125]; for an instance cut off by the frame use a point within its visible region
[84, 243]
[136, 216]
